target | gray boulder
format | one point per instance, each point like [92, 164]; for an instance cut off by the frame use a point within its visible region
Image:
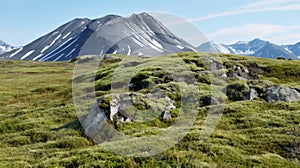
[278, 93]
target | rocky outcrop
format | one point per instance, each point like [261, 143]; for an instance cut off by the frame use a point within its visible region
[207, 101]
[243, 71]
[241, 91]
[238, 72]
[237, 91]
[278, 93]
[130, 107]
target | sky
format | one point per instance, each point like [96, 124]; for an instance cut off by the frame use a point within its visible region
[224, 21]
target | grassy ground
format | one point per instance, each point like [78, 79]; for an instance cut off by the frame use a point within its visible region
[39, 127]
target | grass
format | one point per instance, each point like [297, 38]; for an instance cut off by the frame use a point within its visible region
[39, 126]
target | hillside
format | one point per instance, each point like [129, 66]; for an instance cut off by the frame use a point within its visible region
[260, 125]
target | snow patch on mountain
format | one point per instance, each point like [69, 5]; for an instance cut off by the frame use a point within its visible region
[288, 50]
[27, 54]
[180, 47]
[65, 36]
[19, 50]
[5, 47]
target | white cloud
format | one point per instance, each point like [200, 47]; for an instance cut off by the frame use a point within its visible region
[258, 6]
[275, 33]
[266, 3]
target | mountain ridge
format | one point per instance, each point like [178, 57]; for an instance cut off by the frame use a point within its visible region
[255, 47]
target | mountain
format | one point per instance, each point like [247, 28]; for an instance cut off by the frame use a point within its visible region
[5, 47]
[213, 47]
[139, 34]
[256, 47]
[274, 51]
[294, 49]
[247, 48]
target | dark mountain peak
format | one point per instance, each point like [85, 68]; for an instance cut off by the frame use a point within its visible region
[107, 18]
[247, 43]
[141, 15]
[95, 24]
[81, 19]
[111, 16]
[267, 43]
[87, 21]
[258, 40]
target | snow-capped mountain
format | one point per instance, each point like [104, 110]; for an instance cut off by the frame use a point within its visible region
[139, 34]
[295, 49]
[5, 47]
[256, 47]
[274, 51]
[247, 48]
[214, 47]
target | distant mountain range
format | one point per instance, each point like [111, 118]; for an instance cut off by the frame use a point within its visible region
[256, 47]
[139, 34]
[5, 47]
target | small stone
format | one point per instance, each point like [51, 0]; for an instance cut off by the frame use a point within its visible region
[166, 115]
[224, 76]
[251, 95]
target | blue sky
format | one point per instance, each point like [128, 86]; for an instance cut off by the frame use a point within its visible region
[22, 21]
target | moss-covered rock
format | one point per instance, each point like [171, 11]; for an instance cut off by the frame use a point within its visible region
[237, 91]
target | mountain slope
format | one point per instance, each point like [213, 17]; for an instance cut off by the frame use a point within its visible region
[247, 48]
[214, 47]
[274, 51]
[295, 49]
[139, 34]
[239, 48]
[5, 47]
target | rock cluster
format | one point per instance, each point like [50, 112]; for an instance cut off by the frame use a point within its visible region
[278, 93]
[129, 107]
[239, 92]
